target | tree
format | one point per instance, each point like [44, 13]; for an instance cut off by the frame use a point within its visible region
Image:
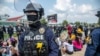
[77, 23]
[43, 21]
[65, 22]
[85, 24]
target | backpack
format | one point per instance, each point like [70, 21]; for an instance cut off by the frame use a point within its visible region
[35, 43]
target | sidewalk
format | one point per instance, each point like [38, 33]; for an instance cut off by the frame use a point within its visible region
[79, 53]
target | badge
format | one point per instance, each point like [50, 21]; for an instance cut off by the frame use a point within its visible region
[41, 30]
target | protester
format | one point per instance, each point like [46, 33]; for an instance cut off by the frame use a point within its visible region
[14, 48]
[10, 31]
[68, 47]
[6, 49]
[78, 45]
[1, 34]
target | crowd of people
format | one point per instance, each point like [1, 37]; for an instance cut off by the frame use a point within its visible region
[8, 47]
[40, 40]
[69, 38]
[72, 38]
[10, 30]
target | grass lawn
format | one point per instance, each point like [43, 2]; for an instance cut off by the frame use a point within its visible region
[6, 36]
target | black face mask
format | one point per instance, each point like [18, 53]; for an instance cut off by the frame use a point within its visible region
[34, 18]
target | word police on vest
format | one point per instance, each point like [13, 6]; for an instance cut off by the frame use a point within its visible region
[37, 37]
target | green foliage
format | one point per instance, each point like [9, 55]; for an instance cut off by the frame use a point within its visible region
[43, 21]
[85, 24]
[77, 23]
[6, 36]
[65, 22]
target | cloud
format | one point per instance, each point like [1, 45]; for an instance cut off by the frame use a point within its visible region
[63, 5]
[67, 5]
[85, 8]
[10, 1]
[13, 12]
[1, 6]
[61, 17]
[9, 11]
[5, 10]
[73, 12]
[51, 11]
[33, 1]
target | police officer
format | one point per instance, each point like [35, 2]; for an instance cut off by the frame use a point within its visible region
[93, 47]
[1, 34]
[34, 12]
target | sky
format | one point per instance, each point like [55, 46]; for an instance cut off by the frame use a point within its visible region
[70, 10]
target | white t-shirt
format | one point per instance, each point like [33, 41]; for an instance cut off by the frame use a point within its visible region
[68, 46]
[58, 41]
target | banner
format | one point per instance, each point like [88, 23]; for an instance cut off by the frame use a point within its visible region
[52, 18]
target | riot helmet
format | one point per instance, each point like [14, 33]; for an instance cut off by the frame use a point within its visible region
[34, 12]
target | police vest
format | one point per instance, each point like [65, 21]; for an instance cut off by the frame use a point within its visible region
[98, 48]
[35, 43]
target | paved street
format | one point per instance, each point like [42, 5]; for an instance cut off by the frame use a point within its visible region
[79, 53]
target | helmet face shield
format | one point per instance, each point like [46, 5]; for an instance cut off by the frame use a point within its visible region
[32, 16]
[19, 5]
[31, 13]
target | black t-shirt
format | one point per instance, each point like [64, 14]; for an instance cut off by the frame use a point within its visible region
[1, 34]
